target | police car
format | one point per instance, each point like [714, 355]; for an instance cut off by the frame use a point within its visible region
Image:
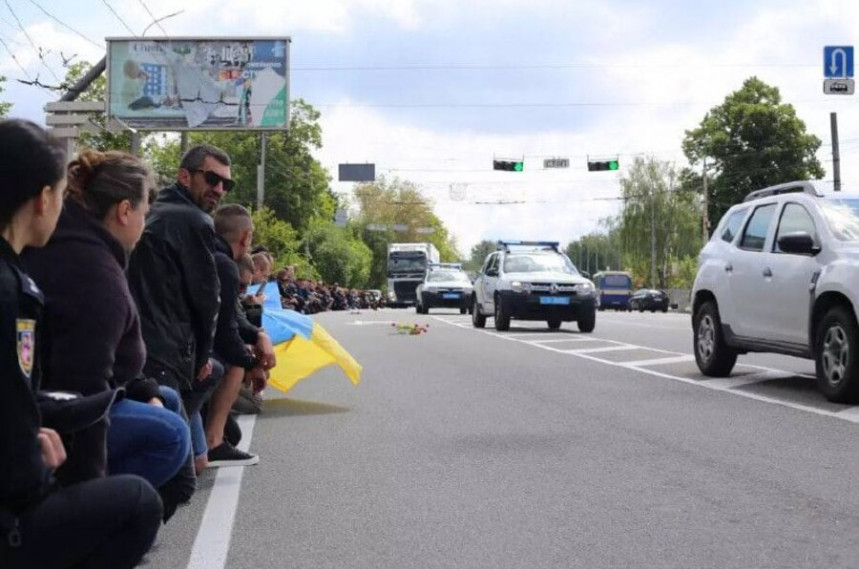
[532, 280]
[446, 285]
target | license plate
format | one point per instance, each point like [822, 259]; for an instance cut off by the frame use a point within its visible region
[554, 300]
[450, 295]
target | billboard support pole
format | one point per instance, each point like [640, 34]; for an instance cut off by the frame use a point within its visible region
[135, 143]
[261, 172]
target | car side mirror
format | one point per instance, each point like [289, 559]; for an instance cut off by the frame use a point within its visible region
[491, 272]
[799, 242]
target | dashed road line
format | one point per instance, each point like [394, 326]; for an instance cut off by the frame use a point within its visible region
[726, 385]
[659, 361]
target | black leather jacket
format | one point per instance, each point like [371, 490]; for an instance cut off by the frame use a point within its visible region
[174, 281]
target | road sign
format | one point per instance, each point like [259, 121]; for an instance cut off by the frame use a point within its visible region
[838, 61]
[556, 163]
[839, 86]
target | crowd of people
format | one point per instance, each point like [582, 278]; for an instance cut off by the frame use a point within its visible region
[131, 336]
[309, 296]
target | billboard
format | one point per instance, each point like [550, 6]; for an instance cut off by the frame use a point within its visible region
[199, 83]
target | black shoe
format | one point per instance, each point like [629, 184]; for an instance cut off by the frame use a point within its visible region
[226, 454]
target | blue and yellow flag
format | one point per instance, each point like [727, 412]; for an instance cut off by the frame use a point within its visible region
[301, 345]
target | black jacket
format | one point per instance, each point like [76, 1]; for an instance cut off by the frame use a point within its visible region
[173, 278]
[92, 340]
[233, 331]
[24, 478]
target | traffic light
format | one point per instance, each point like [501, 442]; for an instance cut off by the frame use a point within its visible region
[509, 165]
[599, 165]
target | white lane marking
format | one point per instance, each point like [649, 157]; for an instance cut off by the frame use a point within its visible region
[640, 325]
[726, 383]
[212, 543]
[600, 350]
[850, 414]
[573, 339]
[369, 322]
[660, 361]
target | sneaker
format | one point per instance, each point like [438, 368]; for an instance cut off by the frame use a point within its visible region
[226, 454]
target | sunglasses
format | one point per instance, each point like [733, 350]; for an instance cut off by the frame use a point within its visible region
[214, 179]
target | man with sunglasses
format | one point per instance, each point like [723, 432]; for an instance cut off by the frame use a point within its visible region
[173, 278]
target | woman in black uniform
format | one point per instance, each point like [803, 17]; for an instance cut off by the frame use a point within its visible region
[109, 522]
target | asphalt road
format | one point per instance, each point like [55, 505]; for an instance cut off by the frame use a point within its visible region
[468, 448]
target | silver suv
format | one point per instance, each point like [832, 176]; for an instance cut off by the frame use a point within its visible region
[532, 280]
[781, 274]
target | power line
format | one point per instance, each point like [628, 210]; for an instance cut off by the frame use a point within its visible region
[15, 59]
[118, 17]
[62, 23]
[155, 20]
[37, 49]
[512, 67]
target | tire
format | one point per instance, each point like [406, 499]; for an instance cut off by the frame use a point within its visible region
[418, 308]
[463, 310]
[836, 356]
[712, 354]
[554, 323]
[477, 319]
[664, 310]
[502, 319]
[587, 321]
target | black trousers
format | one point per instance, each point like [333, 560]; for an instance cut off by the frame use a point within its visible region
[106, 523]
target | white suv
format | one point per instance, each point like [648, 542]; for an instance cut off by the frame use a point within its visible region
[532, 280]
[781, 274]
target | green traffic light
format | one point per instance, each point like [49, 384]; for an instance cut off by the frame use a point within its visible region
[613, 165]
[518, 166]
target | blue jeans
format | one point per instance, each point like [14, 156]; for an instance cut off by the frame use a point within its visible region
[149, 441]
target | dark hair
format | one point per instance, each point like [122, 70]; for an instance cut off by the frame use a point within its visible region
[196, 155]
[231, 220]
[245, 263]
[30, 159]
[99, 180]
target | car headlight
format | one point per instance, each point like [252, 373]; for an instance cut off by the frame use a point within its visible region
[430, 289]
[586, 288]
[519, 286]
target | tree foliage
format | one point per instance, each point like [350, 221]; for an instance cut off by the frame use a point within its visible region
[282, 240]
[96, 91]
[750, 141]
[338, 254]
[397, 202]
[4, 107]
[478, 255]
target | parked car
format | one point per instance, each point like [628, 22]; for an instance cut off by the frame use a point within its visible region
[780, 275]
[649, 299]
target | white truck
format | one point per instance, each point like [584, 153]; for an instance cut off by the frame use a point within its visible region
[407, 267]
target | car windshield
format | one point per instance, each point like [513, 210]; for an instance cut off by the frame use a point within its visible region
[842, 215]
[406, 262]
[537, 263]
[442, 276]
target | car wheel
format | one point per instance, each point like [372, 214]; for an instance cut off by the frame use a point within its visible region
[477, 319]
[587, 321]
[418, 308]
[665, 309]
[463, 310]
[836, 356]
[502, 319]
[712, 354]
[554, 323]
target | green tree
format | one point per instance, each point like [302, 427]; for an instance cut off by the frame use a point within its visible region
[4, 107]
[282, 240]
[398, 203]
[338, 254]
[659, 224]
[478, 255]
[598, 251]
[750, 141]
[297, 187]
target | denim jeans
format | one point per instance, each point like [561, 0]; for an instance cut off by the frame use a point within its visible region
[146, 440]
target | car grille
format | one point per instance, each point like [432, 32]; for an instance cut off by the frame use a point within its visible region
[405, 290]
[543, 289]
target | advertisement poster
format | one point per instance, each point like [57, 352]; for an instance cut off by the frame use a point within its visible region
[199, 84]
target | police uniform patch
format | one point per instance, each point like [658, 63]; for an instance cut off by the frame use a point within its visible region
[26, 344]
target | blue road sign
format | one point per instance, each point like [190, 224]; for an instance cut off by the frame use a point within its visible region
[838, 61]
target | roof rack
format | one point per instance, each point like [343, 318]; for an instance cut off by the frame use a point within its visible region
[553, 245]
[802, 186]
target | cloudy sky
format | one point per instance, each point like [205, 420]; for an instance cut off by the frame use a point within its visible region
[432, 90]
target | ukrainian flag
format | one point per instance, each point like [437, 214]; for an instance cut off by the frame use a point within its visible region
[301, 345]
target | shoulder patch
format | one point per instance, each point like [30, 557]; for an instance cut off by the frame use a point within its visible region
[26, 340]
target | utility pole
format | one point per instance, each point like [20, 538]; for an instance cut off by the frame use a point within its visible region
[652, 237]
[836, 155]
[261, 172]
